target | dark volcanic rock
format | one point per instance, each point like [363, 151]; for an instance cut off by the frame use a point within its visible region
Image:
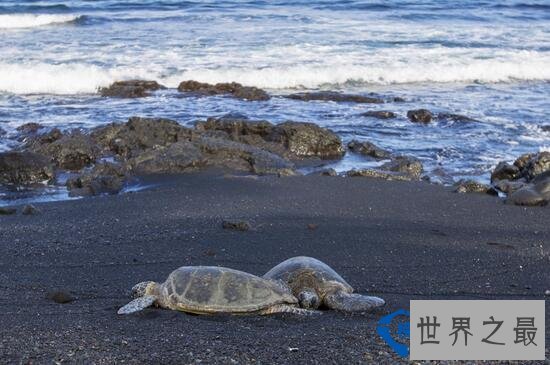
[455, 117]
[386, 175]
[401, 168]
[505, 171]
[471, 186]
[380, 114]
[325, 172]
[139, 134]
[528, 166]
[236, 225]
[29, 128]
[531, 195]
[290, 139]
[308, 140]
[24, 168]
[7, 211]
[508, 186]
[239, 156]
[72, 151]
[368, 149]
[545, 128]
[420, 116]
[104, 178]
[130, 89]
[233, 89]
[405, 165]
[30, 209]
[335, 96]
[179, 157]
[536, 165]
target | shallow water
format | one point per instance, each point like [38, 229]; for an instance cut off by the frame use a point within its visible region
[485, 60]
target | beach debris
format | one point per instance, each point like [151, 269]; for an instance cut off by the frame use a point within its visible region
[335, 96]
[213, 289]
[366, 148]
[420, 116]
[379, 114]
[316, 284]
[131, 89]
[312, 226]
[293, 349]
[232, 89]
[236, 225]
[60, 296]
[472, 186]
[7, 211]
[547, 293]
[30, 209]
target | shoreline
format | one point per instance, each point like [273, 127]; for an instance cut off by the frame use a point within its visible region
[397, 240]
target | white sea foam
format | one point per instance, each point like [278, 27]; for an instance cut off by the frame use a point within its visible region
[11, 21]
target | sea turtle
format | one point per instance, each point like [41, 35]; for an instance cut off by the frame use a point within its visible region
[211, 290]
[316, 284]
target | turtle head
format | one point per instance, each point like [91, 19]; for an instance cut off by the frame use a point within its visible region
[309, 299]
[144, 288]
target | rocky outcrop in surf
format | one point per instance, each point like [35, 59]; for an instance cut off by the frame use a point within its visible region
[336, 97]
[131, 89]
[526, 181]
[231, 89]
[145, 146]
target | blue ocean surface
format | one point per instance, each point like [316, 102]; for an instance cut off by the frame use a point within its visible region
[487, 60]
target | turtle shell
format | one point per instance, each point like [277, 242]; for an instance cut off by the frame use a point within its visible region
[302, 271]
[211, 289]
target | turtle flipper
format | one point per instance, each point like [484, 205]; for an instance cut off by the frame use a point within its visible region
[138, 304]
[352, 302]
[283, 308]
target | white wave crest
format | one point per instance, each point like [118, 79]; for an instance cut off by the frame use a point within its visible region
[75, 78]
[484, 71]
[60, 79]
[13, 21]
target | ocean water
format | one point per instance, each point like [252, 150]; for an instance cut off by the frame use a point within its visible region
[487, 60]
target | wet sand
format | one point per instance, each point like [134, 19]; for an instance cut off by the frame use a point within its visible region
[397, 240]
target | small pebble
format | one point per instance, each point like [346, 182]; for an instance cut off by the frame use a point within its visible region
[7, 211]
[311, 226]
[236, 225]
[60, 297]
[547, 293]
[30, 209]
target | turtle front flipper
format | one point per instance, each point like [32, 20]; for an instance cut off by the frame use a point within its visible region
[283, 308]
[138, 304]
[352, 302]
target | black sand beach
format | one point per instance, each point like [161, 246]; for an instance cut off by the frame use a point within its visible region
[397, 240]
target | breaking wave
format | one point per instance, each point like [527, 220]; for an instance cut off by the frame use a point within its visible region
[78, 78]
[15, 21]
